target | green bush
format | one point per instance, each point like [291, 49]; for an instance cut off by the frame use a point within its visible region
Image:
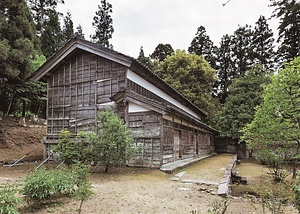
[41, 185]
[8, 200]
[296, 190]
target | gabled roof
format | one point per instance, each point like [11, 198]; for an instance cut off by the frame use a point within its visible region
[76, 44]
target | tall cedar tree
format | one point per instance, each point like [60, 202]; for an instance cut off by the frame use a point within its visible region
[41, 10]
[47, 24]
[79, 31]
[145, 60]
[245, 93]
[288, 12]
[263, 44]
[161, 52]
[192, 76]
[103, 24]
[242, 54]
[68, 28]
[202, 45]
[52, 37]
[17, 39]
[224, 67]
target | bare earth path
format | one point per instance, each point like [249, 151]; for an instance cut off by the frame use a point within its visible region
[136, 190]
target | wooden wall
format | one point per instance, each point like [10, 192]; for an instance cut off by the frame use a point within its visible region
[146, 127]
[194, 141]
[78, 89]
[84, 84]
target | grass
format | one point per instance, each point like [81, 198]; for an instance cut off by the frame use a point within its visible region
[209, 169]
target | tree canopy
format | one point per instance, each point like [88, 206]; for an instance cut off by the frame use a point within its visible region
[161, 52]
[245, 93]
[103, 24]
[276, 124]
[192, 76]
[288, 12]
[17, 41]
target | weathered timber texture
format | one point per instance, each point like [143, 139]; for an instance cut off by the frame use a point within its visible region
[84, 78]
[80, 87]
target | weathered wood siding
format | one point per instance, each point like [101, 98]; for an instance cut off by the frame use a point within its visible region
[78, 88]
[146, 127]
[194, 141]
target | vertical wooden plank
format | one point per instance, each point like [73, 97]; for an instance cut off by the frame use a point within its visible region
[90, 83]
[76, 94]
[64, 103]
[52, 103]
[161, 140]
[82, 80]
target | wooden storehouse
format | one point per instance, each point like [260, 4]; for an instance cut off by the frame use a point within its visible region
[84, 78]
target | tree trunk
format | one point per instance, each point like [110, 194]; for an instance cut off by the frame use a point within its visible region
[80, 206]
[106, 168]
[294, 172]
[9, 106]
[23, 108]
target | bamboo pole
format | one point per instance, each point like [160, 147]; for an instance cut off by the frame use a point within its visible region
[26, 155]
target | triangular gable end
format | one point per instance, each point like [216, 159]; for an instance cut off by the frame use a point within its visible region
[71, 47]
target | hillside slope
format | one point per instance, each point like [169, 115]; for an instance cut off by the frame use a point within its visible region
[16, 141]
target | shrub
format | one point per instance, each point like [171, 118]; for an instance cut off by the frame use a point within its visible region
[296, 190]
[41, 185]
[273, 196]
[8, 200]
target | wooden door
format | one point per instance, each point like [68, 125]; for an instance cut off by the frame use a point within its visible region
[177, 145]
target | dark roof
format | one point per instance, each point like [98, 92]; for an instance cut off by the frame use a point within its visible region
[75, 44]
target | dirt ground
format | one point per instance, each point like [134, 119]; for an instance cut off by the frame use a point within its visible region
[16, 141]
[133, 190]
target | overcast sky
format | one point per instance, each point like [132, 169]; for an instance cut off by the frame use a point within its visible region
[150, 22]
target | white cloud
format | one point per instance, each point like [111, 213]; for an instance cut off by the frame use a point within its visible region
[150, 22]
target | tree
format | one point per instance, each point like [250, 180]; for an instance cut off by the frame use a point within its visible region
[103, 24]
[17, 49]
[263, 44]
[16, 41]
[68, 28]
[52, 37]
[72, 151]
[47, 24]
[113, 140]
[109, 145]
[161, 52]
[242, 54]
[41, 10]
[288, 12]
[145, 60]
[202, 45]
[275, 130]
[245, 93]
[79, 31]
[192, 76]
[224, 67]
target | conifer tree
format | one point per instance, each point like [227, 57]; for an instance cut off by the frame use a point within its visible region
[288, 12]
[202, 45]
[224, 67]
[103, 24]
[263, 44]
[162, 51]
[79, 31]
[17, 39]
[145, 60]
[68, 28]
[47, 24]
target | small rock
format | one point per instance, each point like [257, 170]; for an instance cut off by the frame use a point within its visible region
[183, 189]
